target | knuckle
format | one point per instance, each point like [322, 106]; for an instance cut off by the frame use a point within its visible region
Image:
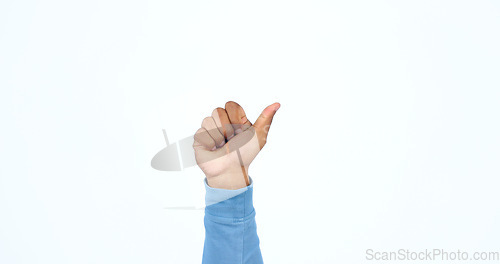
[199, 131]
[206, 120]
[216, 111]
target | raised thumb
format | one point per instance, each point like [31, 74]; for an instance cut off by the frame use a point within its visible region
[264, 121]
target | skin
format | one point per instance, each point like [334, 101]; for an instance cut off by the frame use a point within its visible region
[227, 143]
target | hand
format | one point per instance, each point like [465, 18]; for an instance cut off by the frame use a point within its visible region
[227, 143]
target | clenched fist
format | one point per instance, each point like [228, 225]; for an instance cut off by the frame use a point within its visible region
[227, 143]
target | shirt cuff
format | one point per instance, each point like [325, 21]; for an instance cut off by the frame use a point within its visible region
[215, 195]
[222, 203]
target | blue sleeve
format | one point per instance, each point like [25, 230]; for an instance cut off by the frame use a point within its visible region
[230, 229]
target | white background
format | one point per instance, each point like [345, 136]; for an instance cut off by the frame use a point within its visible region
[387, 138]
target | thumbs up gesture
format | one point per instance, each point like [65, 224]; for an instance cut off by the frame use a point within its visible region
[227, 143]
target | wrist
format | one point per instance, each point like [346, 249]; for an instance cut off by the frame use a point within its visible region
[231, 180]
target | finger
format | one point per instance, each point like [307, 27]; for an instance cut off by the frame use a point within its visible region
[201, 136]
[264, 121]
[222, 121]
[210, 126]
[237, 117]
